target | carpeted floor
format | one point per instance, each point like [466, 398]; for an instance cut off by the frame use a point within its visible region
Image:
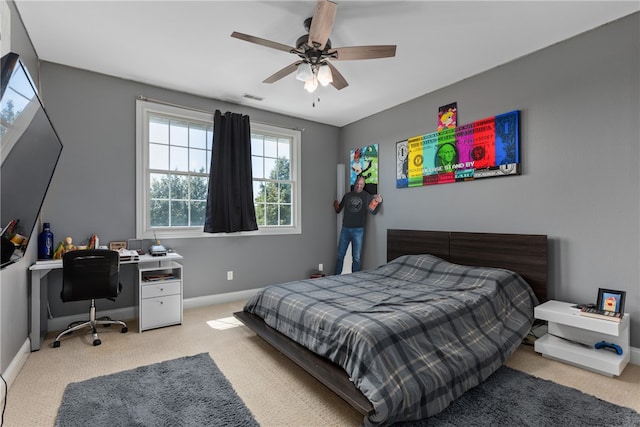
[276, 391]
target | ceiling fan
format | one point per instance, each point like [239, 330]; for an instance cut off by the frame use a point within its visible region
[315, 51]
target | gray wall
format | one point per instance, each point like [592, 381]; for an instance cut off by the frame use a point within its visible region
[93, 190]
[580, 151]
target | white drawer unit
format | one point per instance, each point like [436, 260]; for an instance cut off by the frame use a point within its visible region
[571, 338]
[159, 295]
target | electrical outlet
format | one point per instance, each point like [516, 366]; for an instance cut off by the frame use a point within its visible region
[320, 267]
[229, 275]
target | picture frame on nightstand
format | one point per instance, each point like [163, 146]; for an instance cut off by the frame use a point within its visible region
[611, 300]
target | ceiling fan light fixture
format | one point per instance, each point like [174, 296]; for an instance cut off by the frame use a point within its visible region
[324, 75]
[311, 85]
[304, 72]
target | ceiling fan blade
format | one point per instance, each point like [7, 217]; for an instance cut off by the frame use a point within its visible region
[322, 23]
[282, 73]
[339, 82]
[263, 42]
[362, 52]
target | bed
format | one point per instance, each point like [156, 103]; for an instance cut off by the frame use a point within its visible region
[403, 340]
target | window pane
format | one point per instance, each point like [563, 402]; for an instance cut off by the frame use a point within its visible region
[179, 159]
[258, 191]
[257, 167]
[198, 136]
[179, 133]
[179, 187]
[271, 192]
[158, 130]
[198, 161]
[198, 210]
[179, 214]
[158, 156]
[270, 168]
[284, 148]
[209, 138]
[284, 169]
[272, 215]
[199, 187]
[159, 213]
[260, 213]
[285, 214]
[159, 186]
[271, 147]
[256, 145]
[285, 193]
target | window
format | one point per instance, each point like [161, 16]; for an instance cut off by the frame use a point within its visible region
[174, 148]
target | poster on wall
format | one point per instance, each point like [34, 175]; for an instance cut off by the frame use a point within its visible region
[402, 164]
[448, 116]
[364, 162]
[482, 149]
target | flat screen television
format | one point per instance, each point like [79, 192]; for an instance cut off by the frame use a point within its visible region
[30, 149]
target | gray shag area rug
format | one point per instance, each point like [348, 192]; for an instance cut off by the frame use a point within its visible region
[513, 398]
[189, 391]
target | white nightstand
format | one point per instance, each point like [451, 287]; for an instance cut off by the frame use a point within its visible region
[566, 322]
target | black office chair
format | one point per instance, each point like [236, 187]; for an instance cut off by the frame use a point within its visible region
[88, 275]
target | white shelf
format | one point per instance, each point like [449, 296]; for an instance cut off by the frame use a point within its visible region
[566, 322]
[561, 312]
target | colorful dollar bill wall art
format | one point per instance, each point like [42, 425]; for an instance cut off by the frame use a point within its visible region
[482, 149]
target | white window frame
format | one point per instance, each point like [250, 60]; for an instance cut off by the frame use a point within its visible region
[144, 231]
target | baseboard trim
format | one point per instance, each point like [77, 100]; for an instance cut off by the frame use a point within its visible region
[635, 356]
[15, 366]
[60, 323]
[218, 298]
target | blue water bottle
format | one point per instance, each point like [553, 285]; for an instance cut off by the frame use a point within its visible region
[45, 242]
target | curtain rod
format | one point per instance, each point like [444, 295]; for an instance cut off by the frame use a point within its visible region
[171, 104]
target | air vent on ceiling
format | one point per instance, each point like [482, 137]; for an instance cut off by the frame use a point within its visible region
[255, 98]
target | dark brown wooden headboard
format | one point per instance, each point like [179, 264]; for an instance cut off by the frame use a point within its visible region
[525, 254]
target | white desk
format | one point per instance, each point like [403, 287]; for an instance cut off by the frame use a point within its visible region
[39, 271]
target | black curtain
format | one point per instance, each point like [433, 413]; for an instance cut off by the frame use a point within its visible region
[230, 197]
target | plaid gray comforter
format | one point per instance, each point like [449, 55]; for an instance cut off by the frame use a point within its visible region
[413, 334]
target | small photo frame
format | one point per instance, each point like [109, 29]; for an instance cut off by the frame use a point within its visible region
[114, 246]
[611, 300]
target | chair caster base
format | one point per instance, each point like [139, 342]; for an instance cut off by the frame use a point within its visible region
[124, 330]
[56, 344]
[97, 342]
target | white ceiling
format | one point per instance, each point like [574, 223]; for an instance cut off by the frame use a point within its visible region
[186, 45]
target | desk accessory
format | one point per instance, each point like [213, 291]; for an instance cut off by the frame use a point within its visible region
[611, 300]
[602, 314]
[45, 242]
[117, 245]
[157, 249]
